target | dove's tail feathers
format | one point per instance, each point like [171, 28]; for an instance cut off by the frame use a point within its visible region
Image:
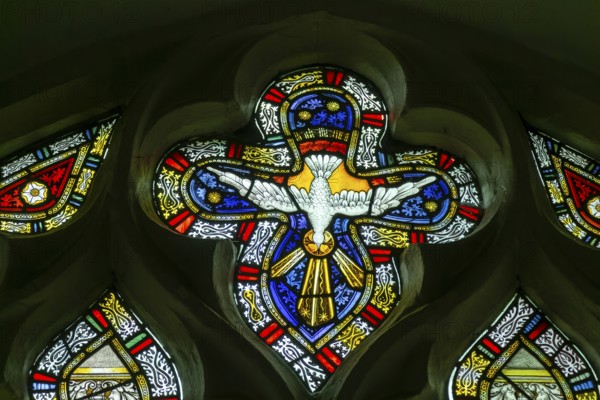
[322, 166]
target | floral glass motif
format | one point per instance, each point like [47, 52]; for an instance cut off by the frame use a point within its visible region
[316, 209]
[107, 354]
[572, 182]
[523, 356]
[42, 188]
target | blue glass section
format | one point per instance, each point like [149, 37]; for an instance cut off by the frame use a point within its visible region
[532, 323]
[413, 207]
[444, 187]
[336, 276]
[345, 298]
[313, 334]
[289, 242]
[314, 110]
[413, 175]
[285, 301]
[583, 386]
[349, 248]
[382, 157]
[198, 193]
[442, 211]
[413, 210]
[433, 191]
[234, 204]
[295, 276]
[340, 225]
[298, 221]
[43, 386]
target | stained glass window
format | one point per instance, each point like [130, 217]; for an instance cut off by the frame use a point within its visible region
[523, 355]
[44, 186]
[106, 354]
[572, 182]
[317, 210]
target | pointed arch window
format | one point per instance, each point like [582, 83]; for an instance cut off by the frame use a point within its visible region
[107, 353]
[572, 182]
[523, 355]
[317, 209]
[44, 186]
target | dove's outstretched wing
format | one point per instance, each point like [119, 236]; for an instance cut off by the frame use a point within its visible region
[351, 203]
[266, 195]
[388, 198]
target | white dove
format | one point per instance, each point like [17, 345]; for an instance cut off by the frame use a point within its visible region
[319, 203]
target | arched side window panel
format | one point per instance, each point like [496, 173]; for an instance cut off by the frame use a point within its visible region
[108, 353]
[572, 182]
[317, 210]
[42, 187]
[523, 355]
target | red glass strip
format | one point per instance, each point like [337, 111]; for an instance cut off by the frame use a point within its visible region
[141, 346]
[319, 145]
[326, 364]
[329, 77]
[539, 329]
[369, 318]
[332, 356]
[183, 227]
[176, 220]
[491, 346]
[374, 116]
[247, 278]
[417, 237]
[44, 378]
[100, 318]
[443, 158]
[265, 332]
[379, 251]
[468, 212]
[446, 161]
[274, 95]
[274, 336]
[246, 230]
[249, 270]
[374, 311]
[180, 159]
[372, 122]
[173, 164]
[235, 150]
[381, 259]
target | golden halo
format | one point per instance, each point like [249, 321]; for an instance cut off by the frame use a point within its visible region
[325, 248]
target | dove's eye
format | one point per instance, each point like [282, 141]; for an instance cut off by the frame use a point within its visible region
[45, 185]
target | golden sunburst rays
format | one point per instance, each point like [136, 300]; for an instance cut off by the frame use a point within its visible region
[288, 262]
[352, 272]
[315, 303]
